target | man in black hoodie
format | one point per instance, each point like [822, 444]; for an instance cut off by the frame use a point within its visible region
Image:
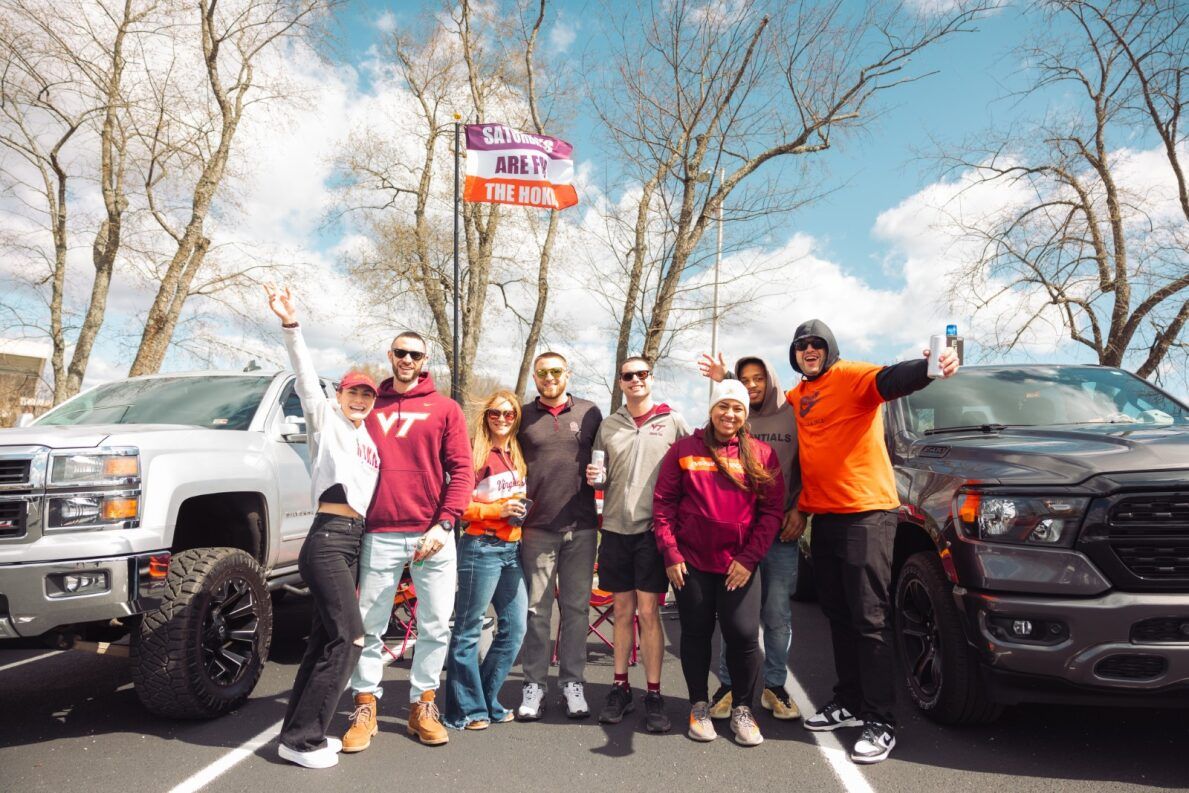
[847, 484]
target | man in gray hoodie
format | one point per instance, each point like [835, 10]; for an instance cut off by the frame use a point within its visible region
[634, 439]
[771, 420]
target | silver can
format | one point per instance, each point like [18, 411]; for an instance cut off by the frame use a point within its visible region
[598, 458]
[936, 345]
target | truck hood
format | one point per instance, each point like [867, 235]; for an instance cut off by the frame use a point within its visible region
[83, 435]
[1061, 455]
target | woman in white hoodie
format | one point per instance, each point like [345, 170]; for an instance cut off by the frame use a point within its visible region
[344, 470]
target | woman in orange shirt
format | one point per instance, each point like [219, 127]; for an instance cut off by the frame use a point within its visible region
[489, 571]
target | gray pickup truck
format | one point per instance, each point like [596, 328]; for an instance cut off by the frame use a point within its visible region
[164, 508]
[1043, 547]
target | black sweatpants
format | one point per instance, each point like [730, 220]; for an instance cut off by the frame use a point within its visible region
[852, 565]
[703, 601]
[329, 564]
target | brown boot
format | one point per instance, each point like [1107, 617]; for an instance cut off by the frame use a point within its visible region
[363, 724]
[425, 723]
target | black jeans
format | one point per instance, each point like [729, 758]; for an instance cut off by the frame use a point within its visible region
[703, 601]
[852, 564]
[329, 565]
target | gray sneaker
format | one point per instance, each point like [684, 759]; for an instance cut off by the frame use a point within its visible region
[743, 724]
[701, 728]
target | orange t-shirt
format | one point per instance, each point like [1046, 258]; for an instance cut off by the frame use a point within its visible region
[840, 440]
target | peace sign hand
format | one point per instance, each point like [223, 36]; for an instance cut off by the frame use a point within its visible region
[281, 303]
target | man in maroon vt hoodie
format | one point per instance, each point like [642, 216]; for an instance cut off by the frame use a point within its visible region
[425, 485]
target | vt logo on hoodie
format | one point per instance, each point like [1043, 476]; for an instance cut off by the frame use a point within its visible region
[389, 419]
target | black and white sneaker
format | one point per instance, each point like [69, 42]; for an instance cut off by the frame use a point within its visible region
[875, 744]
[831, 717]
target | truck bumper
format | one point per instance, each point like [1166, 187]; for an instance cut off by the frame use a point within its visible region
[1118, 644]
[37, 598]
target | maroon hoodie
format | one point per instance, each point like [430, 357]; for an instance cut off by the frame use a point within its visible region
[705, 521]
[421, 437]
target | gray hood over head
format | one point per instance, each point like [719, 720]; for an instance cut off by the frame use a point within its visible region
[774, 397]
[814, 327]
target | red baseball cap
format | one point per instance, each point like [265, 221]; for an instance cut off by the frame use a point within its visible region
[352, 379]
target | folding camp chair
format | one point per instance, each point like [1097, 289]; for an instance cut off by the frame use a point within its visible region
[402, 625]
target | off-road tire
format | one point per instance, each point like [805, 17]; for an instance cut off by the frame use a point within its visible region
[180, 652]
[955, 693]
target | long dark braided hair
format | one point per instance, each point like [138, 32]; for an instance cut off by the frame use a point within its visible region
[755, 476]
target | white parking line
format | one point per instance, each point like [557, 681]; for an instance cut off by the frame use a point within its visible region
[227, 761]
[15, 664]
[848, 773]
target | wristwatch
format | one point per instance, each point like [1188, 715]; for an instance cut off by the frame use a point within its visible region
[445, 524]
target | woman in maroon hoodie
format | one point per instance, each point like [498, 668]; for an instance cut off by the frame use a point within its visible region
[718, 504]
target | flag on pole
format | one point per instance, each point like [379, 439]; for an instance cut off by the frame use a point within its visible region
[507, 166]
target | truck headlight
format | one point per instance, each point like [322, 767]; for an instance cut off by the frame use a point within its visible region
[92, 510]
[106, 467]
[1023, 520]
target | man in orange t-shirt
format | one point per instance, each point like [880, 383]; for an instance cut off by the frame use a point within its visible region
[848, 486]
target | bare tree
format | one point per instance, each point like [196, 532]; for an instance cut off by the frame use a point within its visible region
[233, 37]
[741, 87]
[1087, 245]
[64, 85]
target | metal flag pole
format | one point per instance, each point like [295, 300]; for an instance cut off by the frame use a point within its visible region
[457, 397]
[717, 261]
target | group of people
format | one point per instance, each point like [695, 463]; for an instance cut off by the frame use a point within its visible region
[702, 511]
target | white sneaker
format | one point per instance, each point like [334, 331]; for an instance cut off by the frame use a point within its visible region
[326, 757]
[532, 703]
[334, 744]
[575, 696]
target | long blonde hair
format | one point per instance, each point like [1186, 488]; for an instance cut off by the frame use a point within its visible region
[483, 442]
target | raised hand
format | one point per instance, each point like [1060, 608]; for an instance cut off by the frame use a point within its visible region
[281, 303]
[948, 360]
[715, 370]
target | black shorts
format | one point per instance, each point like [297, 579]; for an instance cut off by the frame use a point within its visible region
[630, 562]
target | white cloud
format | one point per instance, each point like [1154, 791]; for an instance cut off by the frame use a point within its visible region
[385, 22]
[563, 34]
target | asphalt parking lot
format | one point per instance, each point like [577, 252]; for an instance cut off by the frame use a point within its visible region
[71, 721]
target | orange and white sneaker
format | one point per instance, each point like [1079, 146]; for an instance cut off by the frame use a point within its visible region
[701, 728]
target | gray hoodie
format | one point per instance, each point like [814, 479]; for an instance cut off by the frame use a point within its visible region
[775, 423]
[634, 457]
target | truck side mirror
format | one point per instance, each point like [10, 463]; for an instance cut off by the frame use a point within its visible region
[293, 429]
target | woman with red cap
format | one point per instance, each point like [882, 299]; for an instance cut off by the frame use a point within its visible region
[344, 470]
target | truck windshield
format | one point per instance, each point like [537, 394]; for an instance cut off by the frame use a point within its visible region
[1034, 396]
[223, 403]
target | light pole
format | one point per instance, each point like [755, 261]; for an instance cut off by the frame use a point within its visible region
[704, 176]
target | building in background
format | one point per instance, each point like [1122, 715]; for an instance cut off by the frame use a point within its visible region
[22, 363]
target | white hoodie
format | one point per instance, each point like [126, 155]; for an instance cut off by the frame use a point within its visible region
[340, 452]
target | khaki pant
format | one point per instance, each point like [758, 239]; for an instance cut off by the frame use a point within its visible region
[567, 558]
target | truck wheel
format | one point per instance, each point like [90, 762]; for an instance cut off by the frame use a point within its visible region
[806, 590]
[200, 654]
[940, 668]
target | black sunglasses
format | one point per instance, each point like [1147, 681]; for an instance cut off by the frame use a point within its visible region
[415, 356]
[627, 377]
[801, 345]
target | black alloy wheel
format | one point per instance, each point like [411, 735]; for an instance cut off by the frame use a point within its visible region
[921, 640]
[229, 631]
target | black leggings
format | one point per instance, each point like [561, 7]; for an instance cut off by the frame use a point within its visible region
[329, 564]
[703, 601]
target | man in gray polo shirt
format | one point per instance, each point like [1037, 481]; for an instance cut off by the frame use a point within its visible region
[557, 433]
[635, 439]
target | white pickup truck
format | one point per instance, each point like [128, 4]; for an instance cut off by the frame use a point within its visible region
[164, 507]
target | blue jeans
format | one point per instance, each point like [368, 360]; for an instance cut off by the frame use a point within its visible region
[489, 572]
[778, 579]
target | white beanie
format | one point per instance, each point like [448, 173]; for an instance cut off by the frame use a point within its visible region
[730, 389]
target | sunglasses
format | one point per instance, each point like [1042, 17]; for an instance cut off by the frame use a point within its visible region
[411, 354]
[555, 372]
[628, 377]
[801, 345]
[506, 415]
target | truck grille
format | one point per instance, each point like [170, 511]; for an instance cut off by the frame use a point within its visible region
[1161, 630]
[1147, 516]
[1131, 667]
[1150, 534]
[14, 472]
[12, 519]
